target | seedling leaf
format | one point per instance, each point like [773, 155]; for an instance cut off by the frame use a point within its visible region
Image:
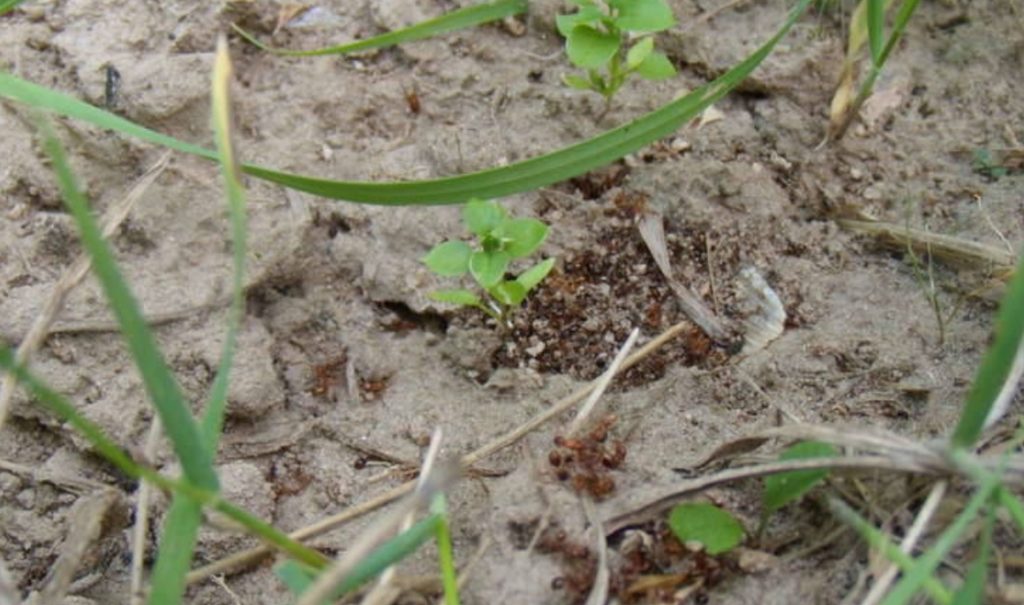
[589, 48]
[643, 15]
[586, 14]
[482, 217]
[713, 527]
[449, 259]
[656, 67]
[639, 52]
[457, 297]
[783, 488]
[509, 293]
[295, 576]
[488, 267]
[535, 274]
[522, 236]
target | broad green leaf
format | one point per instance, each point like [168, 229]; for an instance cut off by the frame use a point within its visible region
[588, 15]
[577, 82]
[656, 67]
[449, 259]
[713, 527]
[522, 236]
[589, 48]
[639, 52]
[643, 15]
[455, 20]
[783, 488]
[483, 216]
[522, 176]
[456, 297]
[509, 293]
[535, 274]
[488, 268]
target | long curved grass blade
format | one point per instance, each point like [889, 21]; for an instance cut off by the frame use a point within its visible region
[163, 390]
[997, 364]
[972, 592]
[530, 174]
[455, 20]
[59, 406]
[181, 525]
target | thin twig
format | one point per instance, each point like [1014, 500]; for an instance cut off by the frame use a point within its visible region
[74, 274]
[602, 384]
[254, 554]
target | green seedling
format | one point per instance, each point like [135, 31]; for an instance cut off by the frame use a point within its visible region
[713, 527]
[612, 39]
[983, 163]
[501, 239]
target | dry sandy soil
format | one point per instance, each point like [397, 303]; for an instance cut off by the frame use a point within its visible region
[342, 353]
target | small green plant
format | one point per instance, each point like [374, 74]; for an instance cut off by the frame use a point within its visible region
[983, 163]
[501, 239]
[611, 39]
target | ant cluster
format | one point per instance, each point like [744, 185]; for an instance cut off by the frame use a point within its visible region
[578, 562]
[585, 462]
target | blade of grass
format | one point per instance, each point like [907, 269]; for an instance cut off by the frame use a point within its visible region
[529, 174]
[7, 6]
[926, 564]
[997, 363]
[876, 28]
[455, 20]
[445, 554]
[184, 517]
[59, 406]
[972, 591]
[879, 541]
[163, 390]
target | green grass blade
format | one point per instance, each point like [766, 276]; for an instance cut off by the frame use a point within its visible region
[389, 553]
[59, 406]
[973, 590]
[876, 29]
[445, 553]
[214, 416]
[898, 27]
[890, 550]
[7, 6]
[182, 523]
[997, 363]
[175, 550]
[458, 19]
[163, 390]
[926, 564]
[1013, 506]
[496, 182]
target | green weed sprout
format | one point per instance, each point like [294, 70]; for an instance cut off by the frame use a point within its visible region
[611, 39]
[500, 240]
